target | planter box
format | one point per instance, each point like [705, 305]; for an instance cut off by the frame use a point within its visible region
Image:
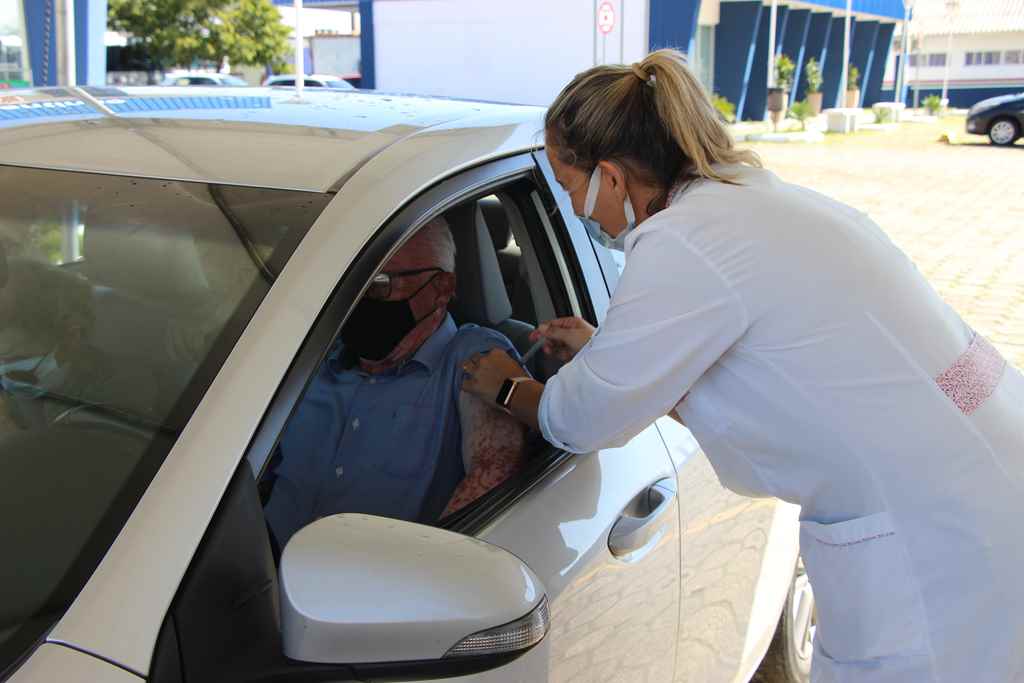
[896, 110]
[814, 101]
[842, 120]
[778, 99]
[853, 98]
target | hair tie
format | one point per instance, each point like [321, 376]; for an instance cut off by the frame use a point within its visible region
[639, 72]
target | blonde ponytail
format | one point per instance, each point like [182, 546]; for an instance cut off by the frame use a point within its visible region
[653, 116]
[685, 110]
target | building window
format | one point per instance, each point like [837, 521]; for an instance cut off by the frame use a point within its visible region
[1012, 57]
[14, 66]
[933, 59]
[982, 58]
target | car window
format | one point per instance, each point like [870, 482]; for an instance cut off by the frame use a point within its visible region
[378, 428]
[283, 81]
[119, 300]
[338, 84]
[233, 80]
[200, 80]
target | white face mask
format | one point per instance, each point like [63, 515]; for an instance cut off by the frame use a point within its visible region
[594, 229]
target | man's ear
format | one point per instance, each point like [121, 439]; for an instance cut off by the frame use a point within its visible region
[444, 284]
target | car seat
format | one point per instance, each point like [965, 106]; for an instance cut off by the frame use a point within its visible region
[510, 259]
[480, 294]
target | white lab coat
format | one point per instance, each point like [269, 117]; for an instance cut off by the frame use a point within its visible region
[819, 366]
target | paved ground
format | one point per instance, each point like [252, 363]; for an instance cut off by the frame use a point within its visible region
[956, 209]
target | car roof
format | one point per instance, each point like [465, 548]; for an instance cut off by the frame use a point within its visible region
[258, 137]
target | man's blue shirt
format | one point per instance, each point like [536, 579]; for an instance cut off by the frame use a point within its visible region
[388, 445]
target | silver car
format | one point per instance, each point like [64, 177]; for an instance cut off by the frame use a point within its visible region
[173, 269]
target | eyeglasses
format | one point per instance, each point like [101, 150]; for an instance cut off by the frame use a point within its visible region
[382, 283]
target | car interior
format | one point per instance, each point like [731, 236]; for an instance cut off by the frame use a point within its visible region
[500, 285]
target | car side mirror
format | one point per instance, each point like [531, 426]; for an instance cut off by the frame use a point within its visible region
[358, 589]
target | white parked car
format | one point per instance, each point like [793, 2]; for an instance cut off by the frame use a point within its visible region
[311, 81]
[202, 78]
[172, 274]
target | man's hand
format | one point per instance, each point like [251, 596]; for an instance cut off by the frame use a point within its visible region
[563, 337]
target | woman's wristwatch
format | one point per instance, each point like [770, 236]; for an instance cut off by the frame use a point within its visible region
[508, 389]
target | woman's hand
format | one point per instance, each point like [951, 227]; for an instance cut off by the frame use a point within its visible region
[563, 337]
[485, 373]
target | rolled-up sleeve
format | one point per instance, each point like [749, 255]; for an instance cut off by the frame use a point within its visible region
[672, 316]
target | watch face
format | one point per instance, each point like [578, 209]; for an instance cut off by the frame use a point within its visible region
[504, 393]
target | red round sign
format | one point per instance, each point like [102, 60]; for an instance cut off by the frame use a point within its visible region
[606, 17]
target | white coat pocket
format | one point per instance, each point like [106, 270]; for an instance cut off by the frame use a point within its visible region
[868, 601]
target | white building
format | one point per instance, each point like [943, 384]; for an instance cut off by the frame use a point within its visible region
[526, 51]
[978, 45]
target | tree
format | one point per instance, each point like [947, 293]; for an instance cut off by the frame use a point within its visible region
[180, 32]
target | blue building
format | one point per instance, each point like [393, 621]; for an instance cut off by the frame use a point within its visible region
[728, 43]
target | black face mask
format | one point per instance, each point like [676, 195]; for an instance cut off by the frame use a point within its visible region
[375, 327]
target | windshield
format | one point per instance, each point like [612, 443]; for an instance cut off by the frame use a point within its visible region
[120, 298]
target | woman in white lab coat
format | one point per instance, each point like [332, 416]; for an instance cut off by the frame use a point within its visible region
[811, 360]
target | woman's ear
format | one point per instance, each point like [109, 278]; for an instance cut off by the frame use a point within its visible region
[615, 176]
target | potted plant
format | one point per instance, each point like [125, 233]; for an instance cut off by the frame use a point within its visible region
[812, 77]
[933, 103]
[853, 87]
[779, 95]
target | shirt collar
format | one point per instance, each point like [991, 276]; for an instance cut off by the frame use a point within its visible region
[430, 354]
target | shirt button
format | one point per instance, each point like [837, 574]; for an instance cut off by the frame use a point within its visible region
[339, 470]
[355, 423]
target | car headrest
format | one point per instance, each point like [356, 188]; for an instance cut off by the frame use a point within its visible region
[497, 221]
[128, 250]
[480, 295]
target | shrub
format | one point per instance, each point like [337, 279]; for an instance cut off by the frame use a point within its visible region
[726, 109]
[784, 70]
[883, 114]
[853, 78]
[933, 103]
[812, 75]
[801, 111]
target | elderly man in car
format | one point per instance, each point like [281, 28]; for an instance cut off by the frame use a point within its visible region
[384, 427]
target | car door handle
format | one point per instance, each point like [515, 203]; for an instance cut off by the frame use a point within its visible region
[643, 519]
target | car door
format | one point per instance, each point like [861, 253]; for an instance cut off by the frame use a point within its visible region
[738, 553]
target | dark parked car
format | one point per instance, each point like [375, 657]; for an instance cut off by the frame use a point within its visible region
[1001, 118]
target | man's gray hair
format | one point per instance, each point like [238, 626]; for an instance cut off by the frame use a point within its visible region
[437, 243]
